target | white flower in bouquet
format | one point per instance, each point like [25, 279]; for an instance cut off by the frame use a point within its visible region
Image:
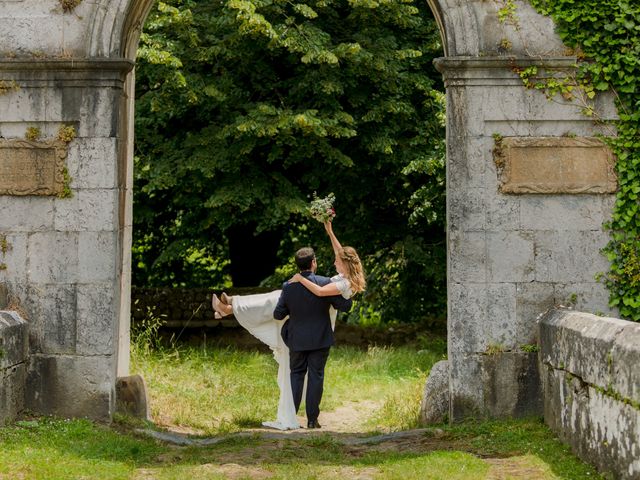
[322, 208]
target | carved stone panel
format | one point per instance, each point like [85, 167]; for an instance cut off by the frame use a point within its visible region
[32, 168]
[555, 165]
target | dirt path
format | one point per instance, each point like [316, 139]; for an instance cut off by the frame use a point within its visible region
[345, 425]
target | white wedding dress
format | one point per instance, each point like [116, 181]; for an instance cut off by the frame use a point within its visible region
[255, 313]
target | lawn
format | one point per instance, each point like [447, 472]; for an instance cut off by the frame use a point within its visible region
[219, 392]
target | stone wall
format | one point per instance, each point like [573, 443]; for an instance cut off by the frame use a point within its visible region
[62, 256]
[13, 364]
[591, 380]
[181, 307]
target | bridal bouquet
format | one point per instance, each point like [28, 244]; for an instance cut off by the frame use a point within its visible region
[322, 208]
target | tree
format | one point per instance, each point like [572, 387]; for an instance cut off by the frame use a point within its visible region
[244, 108]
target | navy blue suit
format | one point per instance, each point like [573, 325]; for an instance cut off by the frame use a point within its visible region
[309, 337]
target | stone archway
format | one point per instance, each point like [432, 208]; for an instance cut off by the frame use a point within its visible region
[515, 247]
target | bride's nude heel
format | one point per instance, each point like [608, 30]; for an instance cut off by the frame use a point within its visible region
[216, 304]
[224, 298]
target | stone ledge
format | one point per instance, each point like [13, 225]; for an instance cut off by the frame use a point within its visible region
[592, 387]
[604, 352]
[13, 339]
[13, 360]
[62, 64]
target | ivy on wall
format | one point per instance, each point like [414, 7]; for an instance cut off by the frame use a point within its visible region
[606, 33]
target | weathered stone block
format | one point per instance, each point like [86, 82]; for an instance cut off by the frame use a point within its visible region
[99, 112]
[467, 257]
[467, 311]
[19, 106]
[494, 31]
[12, 392]
[71, 386]
[500, 325]
[23, 34]
[466, 209]
[513, 103]
[625, 361]
[131, 397]
[511, 384]
[548, 128]
[562, 212]
[510, 257]
[502, 211]
[13, 339]
[13, 257]
[588, 297]
[13, 357]
[97, 254]
[26, 214]
[92, 162]
[467, 161]
[96, 319]
[532, 300]
[53, 257]
[481, 315]
[600, 429]
[434, 407]
[51, 310]
[466, 387]
[88, 210]
[570, 257]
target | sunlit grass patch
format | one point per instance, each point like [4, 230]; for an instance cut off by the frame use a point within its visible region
[213, 390]
[48, 448]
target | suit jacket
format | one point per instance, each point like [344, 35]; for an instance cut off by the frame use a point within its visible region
[309, 325]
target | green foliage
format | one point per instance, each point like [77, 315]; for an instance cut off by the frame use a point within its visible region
[66, 133]
[66, 184]
[530, 348]
[607, 34]
[245, 108]
[33, 133]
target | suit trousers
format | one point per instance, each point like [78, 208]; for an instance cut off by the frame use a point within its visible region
[311, 362]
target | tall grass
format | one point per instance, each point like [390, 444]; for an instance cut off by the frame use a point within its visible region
[214, 390]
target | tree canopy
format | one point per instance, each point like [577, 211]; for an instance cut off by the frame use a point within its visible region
[245, 108]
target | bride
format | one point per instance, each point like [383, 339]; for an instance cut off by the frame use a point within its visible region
[255, 313]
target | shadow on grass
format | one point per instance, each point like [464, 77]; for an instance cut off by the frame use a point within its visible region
[87, 446]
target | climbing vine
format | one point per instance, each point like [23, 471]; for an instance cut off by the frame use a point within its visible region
[606, 34]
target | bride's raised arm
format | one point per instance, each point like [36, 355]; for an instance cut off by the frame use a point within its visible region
[328, 290]
[334, 241]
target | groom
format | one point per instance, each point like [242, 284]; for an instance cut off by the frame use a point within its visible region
[308, 333]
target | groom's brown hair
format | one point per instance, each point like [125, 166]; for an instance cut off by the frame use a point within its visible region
[304, 257]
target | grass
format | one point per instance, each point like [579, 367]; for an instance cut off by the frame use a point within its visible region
[217, 391]
[211, 391]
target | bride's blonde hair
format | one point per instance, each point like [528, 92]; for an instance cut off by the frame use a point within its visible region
[353, 265]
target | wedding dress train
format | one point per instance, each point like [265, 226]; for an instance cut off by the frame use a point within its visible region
[255, 314]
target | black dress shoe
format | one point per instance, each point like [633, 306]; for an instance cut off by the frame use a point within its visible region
[313, 424]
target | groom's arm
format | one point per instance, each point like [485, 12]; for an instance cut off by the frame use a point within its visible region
[281, 310]
[337, 301]
[341, 303]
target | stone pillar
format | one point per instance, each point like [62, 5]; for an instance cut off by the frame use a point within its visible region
[510, 257]
[65, 256]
